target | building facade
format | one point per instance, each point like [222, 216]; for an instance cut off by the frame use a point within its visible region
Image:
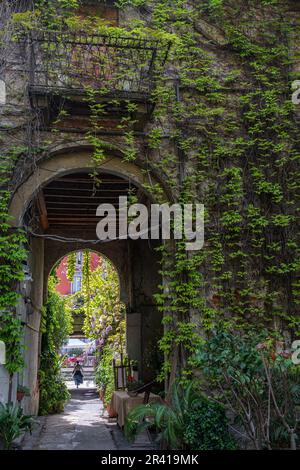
[161, 102]
[67, 287]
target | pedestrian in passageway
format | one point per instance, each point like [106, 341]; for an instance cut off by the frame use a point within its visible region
[78, 374]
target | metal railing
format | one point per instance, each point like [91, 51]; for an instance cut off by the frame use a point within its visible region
[103, 63]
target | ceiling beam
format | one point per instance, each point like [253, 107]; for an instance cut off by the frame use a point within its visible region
[42, 210]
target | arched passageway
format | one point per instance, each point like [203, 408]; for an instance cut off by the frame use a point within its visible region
[57, 204]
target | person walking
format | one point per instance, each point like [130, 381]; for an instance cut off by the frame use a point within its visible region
[78, 374]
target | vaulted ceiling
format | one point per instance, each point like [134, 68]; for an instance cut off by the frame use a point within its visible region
[72, 200]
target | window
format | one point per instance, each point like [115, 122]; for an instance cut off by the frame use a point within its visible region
[79, 259]
[76, 284]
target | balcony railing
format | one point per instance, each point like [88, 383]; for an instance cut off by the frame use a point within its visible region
[78, 62]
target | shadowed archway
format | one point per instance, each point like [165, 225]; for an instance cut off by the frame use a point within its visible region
[57, 205]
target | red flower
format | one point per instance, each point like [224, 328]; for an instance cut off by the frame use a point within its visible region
[130, 378]
[286, 354]
[273, 355]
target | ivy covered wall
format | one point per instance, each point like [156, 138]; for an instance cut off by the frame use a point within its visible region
[231, 120]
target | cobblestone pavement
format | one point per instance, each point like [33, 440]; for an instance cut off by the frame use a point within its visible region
[81, 426]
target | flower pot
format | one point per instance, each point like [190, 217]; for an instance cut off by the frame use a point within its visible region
[111, 412]
[135, 374]
[20, 396]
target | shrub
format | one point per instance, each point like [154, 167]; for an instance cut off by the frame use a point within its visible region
[206, 427]
[184, 422]
[56, 327]
[53, 390]
[13, 423]
[104, 376]
[258, 382]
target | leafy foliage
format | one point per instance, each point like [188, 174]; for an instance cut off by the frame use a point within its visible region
[53, 390]
[104, 375]
[57, 321]
[236, 143]
[255, 378]
[71, 266]
[190, 421]
[13, 423]
[206, 427]
[12, 256]
[104, 313]
[57, 326]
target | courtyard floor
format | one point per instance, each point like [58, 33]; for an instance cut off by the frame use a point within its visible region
[83, 425]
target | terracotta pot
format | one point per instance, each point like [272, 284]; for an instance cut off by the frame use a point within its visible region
[20, 396]
[111, 412]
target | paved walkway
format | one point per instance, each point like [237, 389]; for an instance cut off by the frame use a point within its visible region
[83, 425]
[80, 427]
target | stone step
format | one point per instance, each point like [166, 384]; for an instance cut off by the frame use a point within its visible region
[71, 373]
[88, 375]
[85, 377]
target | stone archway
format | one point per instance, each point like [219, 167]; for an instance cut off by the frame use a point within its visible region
[65, 286]
[136, 261]
[63, 163]
[107, 251]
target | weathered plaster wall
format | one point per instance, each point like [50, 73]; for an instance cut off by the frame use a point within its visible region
[32, 319]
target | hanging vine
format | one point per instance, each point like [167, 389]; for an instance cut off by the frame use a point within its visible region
[12, 256]
[236, 130]
[71, 265]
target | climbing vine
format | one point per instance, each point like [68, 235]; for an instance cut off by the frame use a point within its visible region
[12, 256]
[104, 313]
[56, 328]
[235, 133]
[71, 266]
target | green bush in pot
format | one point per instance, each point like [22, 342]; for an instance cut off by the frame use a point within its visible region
[178, 422]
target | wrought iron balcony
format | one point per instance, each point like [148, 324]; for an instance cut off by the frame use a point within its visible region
[73, 63]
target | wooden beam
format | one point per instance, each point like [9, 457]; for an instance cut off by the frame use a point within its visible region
[66, 179]
[76, 196]
[90, 189]
[42, 210]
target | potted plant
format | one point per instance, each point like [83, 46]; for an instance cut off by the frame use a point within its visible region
[107, 399]
[133, 384]
[190, 421]
[135, 369]
[22, 392]
[101, 391]
[111, 412]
